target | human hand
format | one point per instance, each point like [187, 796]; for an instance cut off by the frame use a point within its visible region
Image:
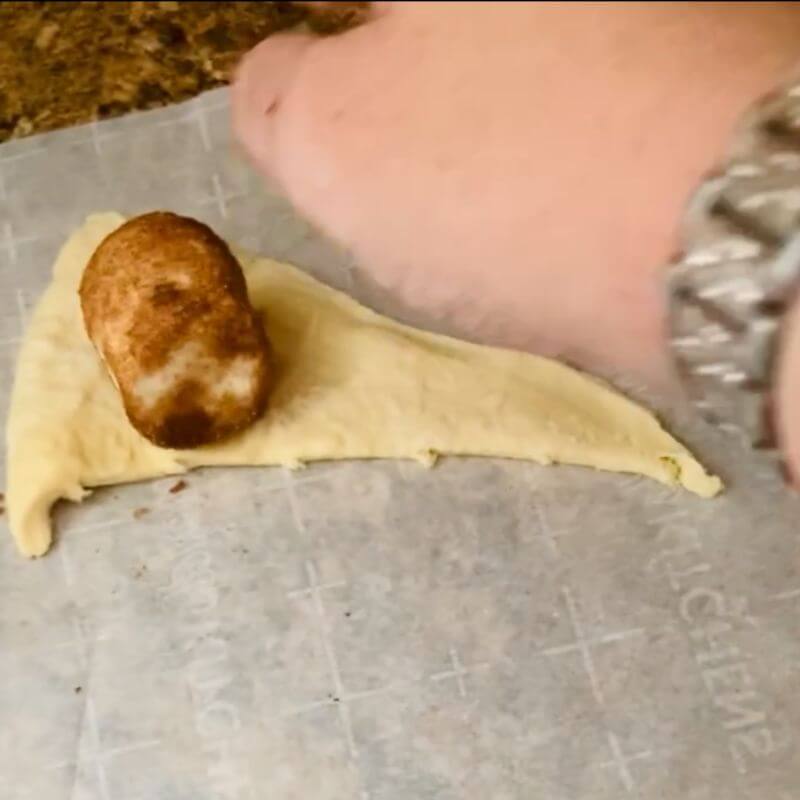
[519, 169]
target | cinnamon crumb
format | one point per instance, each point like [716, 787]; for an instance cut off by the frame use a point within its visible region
[178, 487]
[140, 512]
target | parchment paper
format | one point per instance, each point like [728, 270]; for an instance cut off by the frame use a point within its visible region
[375, 631]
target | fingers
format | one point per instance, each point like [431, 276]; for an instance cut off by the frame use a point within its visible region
[265, 75]
[788, 396]
[261, 81]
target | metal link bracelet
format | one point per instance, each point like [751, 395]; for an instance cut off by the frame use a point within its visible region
[738, 273]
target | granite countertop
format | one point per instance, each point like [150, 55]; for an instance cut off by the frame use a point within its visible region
[66, 63]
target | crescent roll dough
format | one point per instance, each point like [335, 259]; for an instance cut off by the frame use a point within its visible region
[348, 384]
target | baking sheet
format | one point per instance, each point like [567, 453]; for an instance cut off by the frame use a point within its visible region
[375, 631]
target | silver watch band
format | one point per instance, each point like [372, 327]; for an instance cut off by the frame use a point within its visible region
[739, 271]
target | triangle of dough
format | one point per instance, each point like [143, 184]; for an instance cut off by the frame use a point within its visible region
[351, 384]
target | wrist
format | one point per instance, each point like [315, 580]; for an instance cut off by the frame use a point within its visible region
[724, 365]
[706, 101]
[685, 124]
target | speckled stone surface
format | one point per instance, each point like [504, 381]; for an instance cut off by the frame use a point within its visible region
[66, 63]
